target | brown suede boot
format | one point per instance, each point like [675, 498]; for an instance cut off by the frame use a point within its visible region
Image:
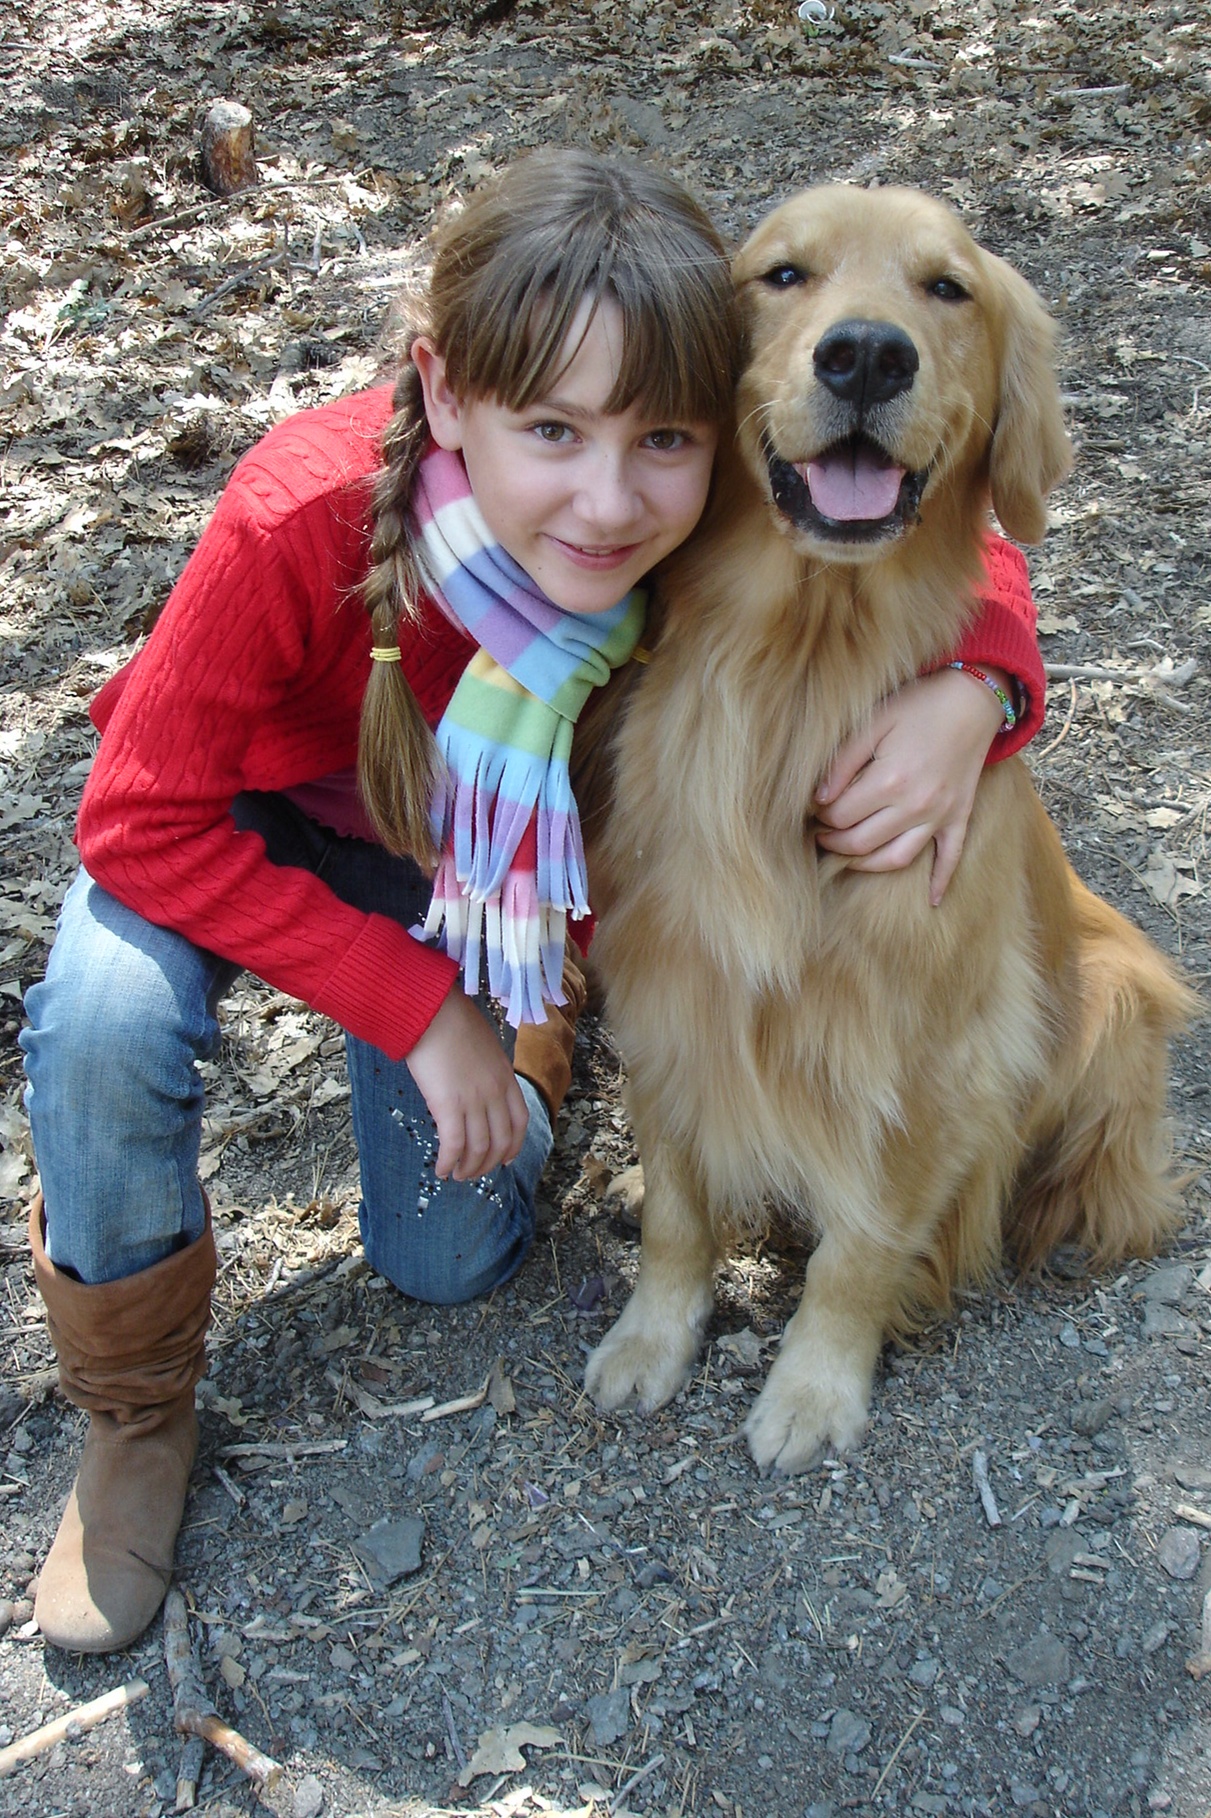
[543, 1053]
[130, 1353]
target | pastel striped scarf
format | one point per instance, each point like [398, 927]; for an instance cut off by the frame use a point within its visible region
[505, 819]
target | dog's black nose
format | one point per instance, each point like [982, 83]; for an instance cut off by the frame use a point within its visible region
[865, 363]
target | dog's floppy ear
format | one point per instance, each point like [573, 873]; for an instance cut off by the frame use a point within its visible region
[1031, 452]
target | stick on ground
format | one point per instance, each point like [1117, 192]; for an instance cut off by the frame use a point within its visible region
[193, 1713]
[72, 1723]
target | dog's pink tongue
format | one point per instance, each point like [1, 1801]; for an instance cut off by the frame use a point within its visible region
[851, 483]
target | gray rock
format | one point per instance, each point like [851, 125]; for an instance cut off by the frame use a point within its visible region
[1041, 1661]
[847, 1734]
[1022, 1793]
[392, 1548]
[609, 1715]
[1167, 1285]
[1164, 1321]
[1061, 1550]
[1089, 1417]
[924, 1672]
[308, 1798]
[1178, 1552]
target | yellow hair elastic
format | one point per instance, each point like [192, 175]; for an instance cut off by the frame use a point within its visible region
[386, 653]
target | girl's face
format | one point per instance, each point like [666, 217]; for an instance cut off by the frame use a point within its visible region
[586, 502]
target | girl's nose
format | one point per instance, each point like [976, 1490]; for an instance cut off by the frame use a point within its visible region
[609, 498]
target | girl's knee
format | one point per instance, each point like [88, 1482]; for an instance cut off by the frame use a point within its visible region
[469, 1238]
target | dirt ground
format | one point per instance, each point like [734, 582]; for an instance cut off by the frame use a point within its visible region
[610, 1615]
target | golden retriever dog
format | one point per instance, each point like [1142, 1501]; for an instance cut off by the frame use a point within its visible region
[916, 1086]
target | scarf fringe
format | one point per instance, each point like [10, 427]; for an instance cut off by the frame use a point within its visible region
[482, 811]
[510, 933]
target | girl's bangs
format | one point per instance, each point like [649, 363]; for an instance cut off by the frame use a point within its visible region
[678, 358]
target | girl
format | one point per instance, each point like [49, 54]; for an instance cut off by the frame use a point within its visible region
[269, 794]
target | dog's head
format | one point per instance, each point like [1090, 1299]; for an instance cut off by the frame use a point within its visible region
[892, 363]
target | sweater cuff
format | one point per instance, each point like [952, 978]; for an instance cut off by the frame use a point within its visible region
[387, 988]
[1003, 635]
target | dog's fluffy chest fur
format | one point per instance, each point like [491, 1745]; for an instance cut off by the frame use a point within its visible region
[787, 982]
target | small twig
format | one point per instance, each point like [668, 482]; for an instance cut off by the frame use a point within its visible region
[463, 1405]
[1091, 94]
[979, 1471]
[891, 1761]
[283, 1449]
[1186, 1511]
[1090, 672]
[1066, 728]
[70, 1724]
[620, 1797]
[229, 1484]
[192, 1712]
[460, 1754]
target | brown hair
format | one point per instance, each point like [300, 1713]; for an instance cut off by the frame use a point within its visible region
[509, 275]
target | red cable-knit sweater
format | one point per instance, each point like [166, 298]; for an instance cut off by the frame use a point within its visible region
[253, 679]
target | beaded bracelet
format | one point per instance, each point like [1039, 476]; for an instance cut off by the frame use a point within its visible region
[1008, 709]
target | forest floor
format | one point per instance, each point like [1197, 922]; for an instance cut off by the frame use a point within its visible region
[657, 1628]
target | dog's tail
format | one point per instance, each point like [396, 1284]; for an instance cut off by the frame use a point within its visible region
[1099, 1172]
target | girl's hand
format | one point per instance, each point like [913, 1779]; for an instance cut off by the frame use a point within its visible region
[472, 1093]
[910, 777]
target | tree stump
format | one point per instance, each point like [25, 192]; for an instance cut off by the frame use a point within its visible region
[228, 164]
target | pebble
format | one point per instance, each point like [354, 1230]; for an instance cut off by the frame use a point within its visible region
[609, 1715]
[308, 1798]
[1089, 1417]
[1023, 1793]
[1041, 1661]
[6, 1616]
[848, 1734]
[1061, 1551]
[394, 1547]
[1178, 1552]
[1026, 1719]
[1168, 1285]
[1162, 1321]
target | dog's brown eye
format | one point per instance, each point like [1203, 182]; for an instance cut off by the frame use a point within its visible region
[948, 289]
[781, 277]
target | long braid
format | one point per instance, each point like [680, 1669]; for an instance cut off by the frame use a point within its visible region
[397, 761]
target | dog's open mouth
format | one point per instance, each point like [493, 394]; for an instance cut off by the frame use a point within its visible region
[853, 492]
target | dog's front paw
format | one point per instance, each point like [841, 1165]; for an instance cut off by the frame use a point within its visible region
[798, 1417]
[646, 1360]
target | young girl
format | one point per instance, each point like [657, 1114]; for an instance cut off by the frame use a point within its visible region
[462, 554]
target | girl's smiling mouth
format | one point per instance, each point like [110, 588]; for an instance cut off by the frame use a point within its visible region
[615, 555]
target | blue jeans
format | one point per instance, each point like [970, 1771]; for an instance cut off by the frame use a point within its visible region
[116, 1029]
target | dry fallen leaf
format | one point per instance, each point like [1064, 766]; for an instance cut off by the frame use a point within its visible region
[499, 1751]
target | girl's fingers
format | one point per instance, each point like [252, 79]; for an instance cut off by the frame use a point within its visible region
[476, 1157]
[450, 1142]
[852, 758]
[865, 837]
[894, 854]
